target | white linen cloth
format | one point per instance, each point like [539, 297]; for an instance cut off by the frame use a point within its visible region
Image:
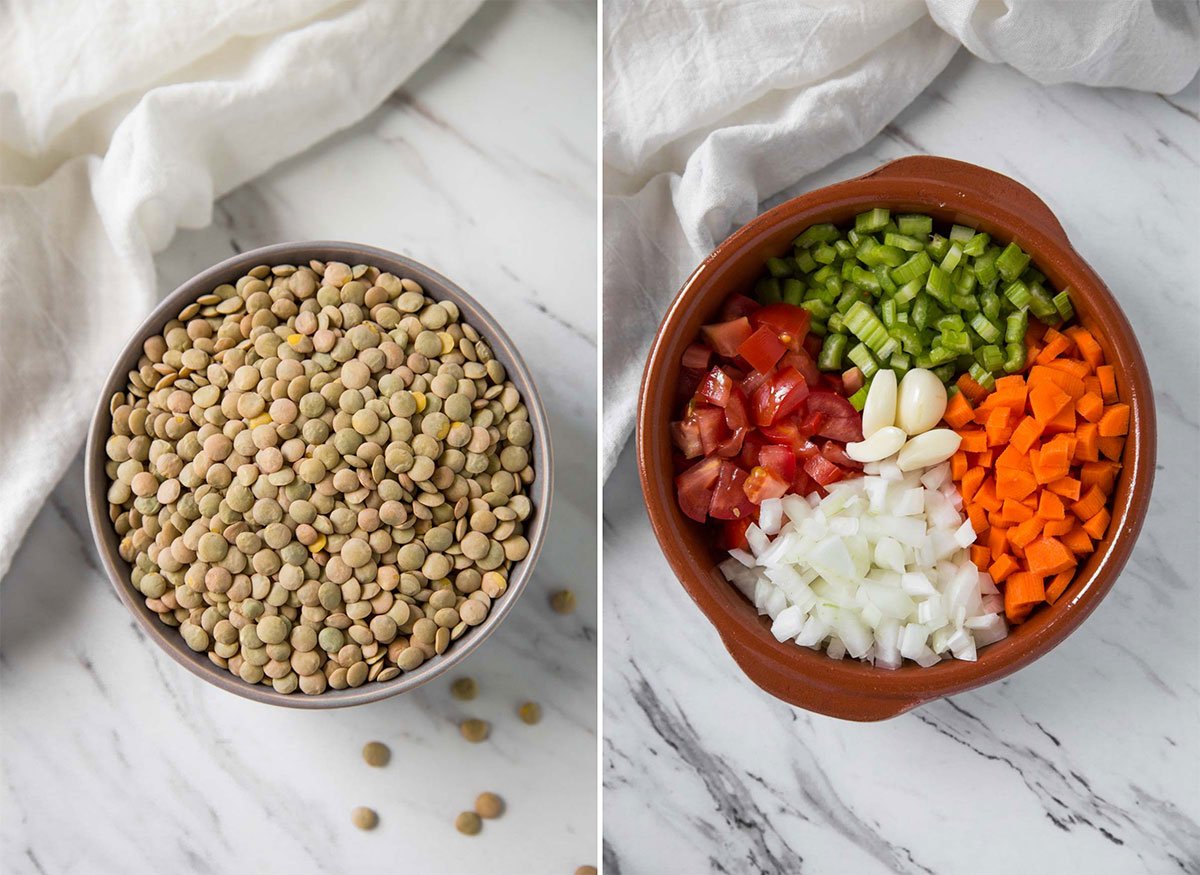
[712, 107]
[121, 122]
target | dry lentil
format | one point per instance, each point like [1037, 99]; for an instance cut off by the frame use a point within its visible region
[530, 712]
[376, 753]
[563, 601]
[464, 689]
[320, 476]
[364, 818]
[468, 823]
[489, 805]
[475, 730]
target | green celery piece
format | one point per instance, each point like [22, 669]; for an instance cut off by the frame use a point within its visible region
[779, 268]
[915, 225]
[865, 325]
[977, 245]
[767, 290]
[907, 292]
[1062, 303]
[985, 328]
[982, 377]
[819, 309]
[864, 279]
[939, 355]
[904, 242]
[836, 323]
[1018, 293]
[990, 357]
[953, 258]
[824, 273]
[844, 249]
[823, 233]
[793, 292]
[874, 220]
[951, 322]
[989, 303]
[859, 399]
[945, 373]
[937, 284]
[961, 233]
[890, 347]
[805, 261]
[1014, 358]
[824, 254]
[1042, 305]
[862, 357]
[847, 300]
[916, 267]
[1011, 262]
[937, 247]
[884, 279]
[832, 350]
[909, 337]
[1015, 326]
[887, 312]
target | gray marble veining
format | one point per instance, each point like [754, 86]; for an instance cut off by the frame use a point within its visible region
[115, 760]
[1086, 761]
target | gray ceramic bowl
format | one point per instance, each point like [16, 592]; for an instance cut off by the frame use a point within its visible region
[229, 270]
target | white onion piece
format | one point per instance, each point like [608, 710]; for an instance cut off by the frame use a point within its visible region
[879, 411]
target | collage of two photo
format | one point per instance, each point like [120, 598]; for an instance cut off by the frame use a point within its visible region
[599, 436]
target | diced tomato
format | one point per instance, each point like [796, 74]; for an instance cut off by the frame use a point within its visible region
[732, 445]
[852, 380]
[751, 447]
[789, 435]
[801, 484]
[689, 382]
[842, 428]
[833, 383]
[729, 501]
[762, 349]
[726, 337]
[834, 406]
[762, 484]
[779, 460]
[737, 306]
[733, 534]
[752, 381]
[711, 423]
[804, 363]
[715, 387]
[812, 345]
[822, 470]
[686, 436]
[812, 422]
[736, 409]
[697, 356]
[695, 488]
[836, 453]
[779, 397]
[789, 322]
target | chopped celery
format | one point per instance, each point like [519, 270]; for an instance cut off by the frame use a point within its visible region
[985, 328]
[1014, 358]
[818, 328]
[1011, 262]
[823, 274]
[1042, 304]
[836, 323]
[915, 226]
[890, 347]
[989, 303]
[823, 233]
[887, 312]
[950, 322]
[1015, 326]
[767, 290]
[903, 241]
[1018, 293]
[884, 280]
[909, 338]
[819, 309]
[945, 373]
[862, 357]
[977, 245]
[966, 303]
[805, 261]
[1062, 303]
[865, 325]
[847, 300]
[865, 223]
[915, 268]
[990, 357]
[937, 284]
[953, 257]
[908, 291]
[859, 399]
[982, 377]
[793, 292]
[779, 268]
[824, 254]
[830, 357]
[938, 246]
[961, 233]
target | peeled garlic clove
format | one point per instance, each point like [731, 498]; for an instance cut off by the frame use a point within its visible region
[880, 409]
[885, 442]
[926, 450]
[922, 401]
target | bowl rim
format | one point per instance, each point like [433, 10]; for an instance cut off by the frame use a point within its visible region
[436, 286]
[842, 688]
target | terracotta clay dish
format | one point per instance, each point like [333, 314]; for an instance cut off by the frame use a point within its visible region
[438, 287]
[951, 192]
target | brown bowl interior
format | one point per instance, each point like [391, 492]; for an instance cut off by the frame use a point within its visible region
[438, 287]
[950, 191]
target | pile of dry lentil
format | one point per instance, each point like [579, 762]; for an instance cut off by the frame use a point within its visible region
[319, 475]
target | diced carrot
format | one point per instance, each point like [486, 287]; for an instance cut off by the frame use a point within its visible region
[974, 440]
[1090, 407]
[1067, 487]
[1031, 501]
[1027, 431]
[1086, 447]
[1014, 483]
[1050, 506]
[1055, 345]
[1059, 585]
[1050, 464]
[1021, 591]
[1013, 457]
[1014, 513]
[1077, 541]
[1048, 556]
[983, 411]
[1024, 534]
[1115, 420]
[974, 392]
[958, 411]
[1097, 525]
[1063, 421]
[1108, 383]
[1089, 505]
[995, 520]
[980, 556]
[959, 464]
[1017, 616]
[1074, 368]
[978, 517]
[1067, 380]
[997, 540]
[1111, 447]
[1092, 384]
[970, 483]
[998, 429]
[1088, 348]
[984, 459]
[1054, 528]
[1003, 567]
[986, 496]
[1010, 383]
[1047, 401]
[1101, 475]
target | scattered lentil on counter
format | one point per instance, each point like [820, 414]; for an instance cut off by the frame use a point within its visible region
[489, 805]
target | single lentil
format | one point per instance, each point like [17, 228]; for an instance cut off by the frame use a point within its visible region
[464, 689]
[364, 818]
[489, 805]
[530, 712]
[376, 753]
[563, 601]
[475, 730]
[468, 823]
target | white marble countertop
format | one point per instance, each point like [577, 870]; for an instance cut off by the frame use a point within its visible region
[1086, 761]
[115, 760]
